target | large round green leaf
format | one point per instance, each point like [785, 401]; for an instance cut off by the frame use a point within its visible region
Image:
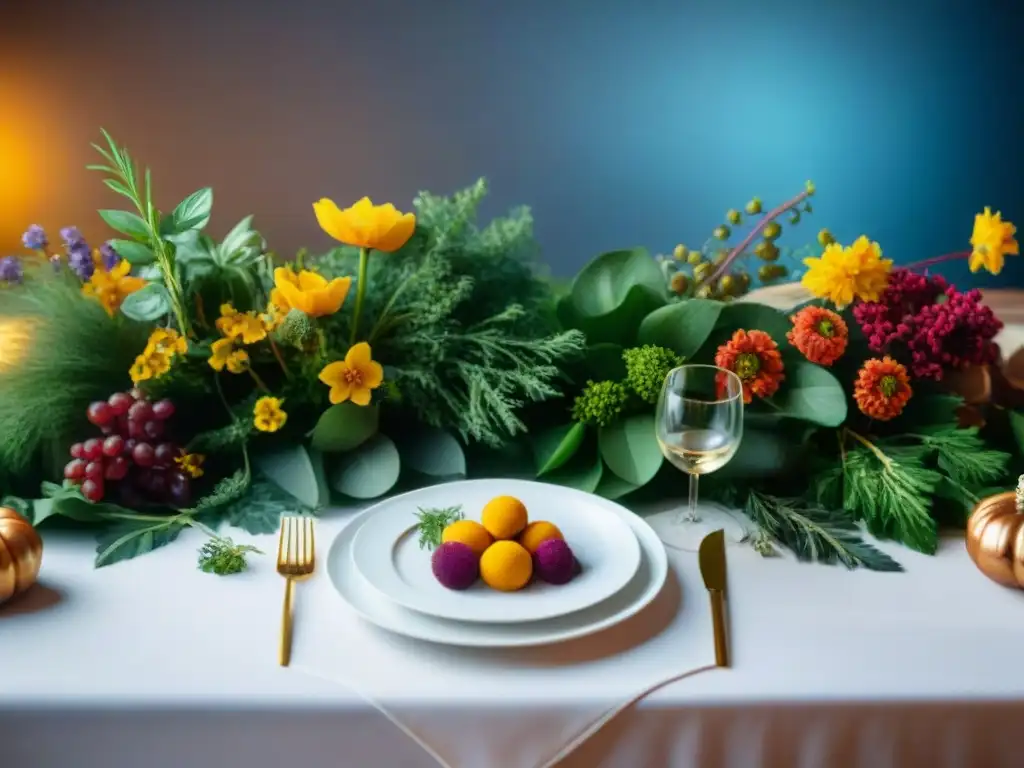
[751, 316]
[344, 427]
[555, 446]
[583, 472]
[613, 487]
[295, 471]
[433, 452]
[762, 453]
[605, 284]
[630, 449]
[682, 327]
[812, 394]
[369, 471]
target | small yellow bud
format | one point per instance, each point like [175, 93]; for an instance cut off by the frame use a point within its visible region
[702, 271]
[733, 216]
[704, 292]
[809, 186]
[679, 253]
[753, 207]
[825, 238]
[720, 255]
[772, 230]
[695, 257]
[679, 283]
[728, 284]
[766, 251]
[722, 232]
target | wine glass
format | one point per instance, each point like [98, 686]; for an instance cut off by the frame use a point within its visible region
[699, 422]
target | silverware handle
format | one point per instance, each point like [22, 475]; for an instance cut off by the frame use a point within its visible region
[285, 652]
[721, 633]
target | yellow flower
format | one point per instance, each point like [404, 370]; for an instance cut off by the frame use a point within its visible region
[844, 274]
[354, 377]
[365, 225]
[268, 415]
[992, 241]
[166, 341]
[246, 327]
[224, 355]
[309, 292]
[273, 316]
[151, 364]
[110, 288]
[191, 464]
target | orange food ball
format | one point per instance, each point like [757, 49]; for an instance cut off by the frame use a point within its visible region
[506, 566]
[537, 532]
[504, 517]
[470, 533]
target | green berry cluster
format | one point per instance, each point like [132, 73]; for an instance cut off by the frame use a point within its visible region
[600, 403]
[646, 369]
[688, 272]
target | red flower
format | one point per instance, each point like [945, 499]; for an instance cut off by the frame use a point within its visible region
[820, 335]
[754, 357]
[882, 389]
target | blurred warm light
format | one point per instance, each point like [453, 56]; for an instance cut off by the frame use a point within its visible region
[23, 153]
[15, 338]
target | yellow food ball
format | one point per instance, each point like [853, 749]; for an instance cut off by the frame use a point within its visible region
[538, 532]
[470, 533]
[504, 517]
[506, 566]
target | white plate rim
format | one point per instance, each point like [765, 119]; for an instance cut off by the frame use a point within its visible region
[618, 513]
[516, 635]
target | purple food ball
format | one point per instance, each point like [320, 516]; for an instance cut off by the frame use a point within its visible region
[554, 562]
[35, 238]
[455, 565]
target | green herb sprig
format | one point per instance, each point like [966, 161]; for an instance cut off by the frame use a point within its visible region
[432, 523]
[223, 557]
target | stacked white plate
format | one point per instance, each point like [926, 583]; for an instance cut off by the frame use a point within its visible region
[379, 569]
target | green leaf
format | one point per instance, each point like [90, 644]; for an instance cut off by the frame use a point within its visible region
[433, 452]
[614, 487]
[582, 472]
[134, 253]
[612, 294]
[147, 304]
[293, 469]
[126, 223]
[191, 213]
[553, 447]
[811, 393]
[1017, 426]
[369, 471]
[762, 453]
[344, 427]
[748, 316]
[682, 327]
[130, 538]
[630, 449]
[239, 237]
[259, 509]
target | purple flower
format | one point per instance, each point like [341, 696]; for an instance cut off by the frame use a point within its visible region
[111, 258]
[35, 238]
[71, 237]
[10, 269]
[80, 261]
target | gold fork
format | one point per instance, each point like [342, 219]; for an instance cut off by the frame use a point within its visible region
[295, 561]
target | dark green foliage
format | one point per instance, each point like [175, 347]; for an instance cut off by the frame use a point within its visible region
[462, 323]
[77, 354]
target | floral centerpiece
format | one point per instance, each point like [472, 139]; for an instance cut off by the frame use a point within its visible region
[167, 380]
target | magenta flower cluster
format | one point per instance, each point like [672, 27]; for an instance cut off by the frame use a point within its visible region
[928, 324]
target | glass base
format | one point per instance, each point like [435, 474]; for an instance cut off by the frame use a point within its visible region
[679, 529]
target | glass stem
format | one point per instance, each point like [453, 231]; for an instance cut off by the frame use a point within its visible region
[692, 505]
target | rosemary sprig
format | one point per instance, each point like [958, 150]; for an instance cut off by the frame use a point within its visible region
[432, 523]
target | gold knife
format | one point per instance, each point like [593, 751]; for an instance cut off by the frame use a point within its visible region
[712, 568]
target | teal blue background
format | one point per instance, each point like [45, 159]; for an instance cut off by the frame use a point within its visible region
[620, 123]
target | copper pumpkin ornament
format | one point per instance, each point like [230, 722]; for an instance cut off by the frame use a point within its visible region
[21, 553]
[995, 536]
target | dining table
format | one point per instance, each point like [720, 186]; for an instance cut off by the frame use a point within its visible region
[152, 663]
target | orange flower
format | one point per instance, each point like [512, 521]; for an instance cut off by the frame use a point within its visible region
[882, 389]
[820, 335]
[111, 287]
[754, 357]
[353, 378]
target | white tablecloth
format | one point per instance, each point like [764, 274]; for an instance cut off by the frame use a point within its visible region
[153, 664]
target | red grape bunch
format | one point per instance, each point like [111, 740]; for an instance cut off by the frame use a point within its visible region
[135, 456]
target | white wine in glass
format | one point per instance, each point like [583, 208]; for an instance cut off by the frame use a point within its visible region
[699, 421]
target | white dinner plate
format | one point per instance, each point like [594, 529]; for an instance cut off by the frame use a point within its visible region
[353, 590]
[388, 555]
